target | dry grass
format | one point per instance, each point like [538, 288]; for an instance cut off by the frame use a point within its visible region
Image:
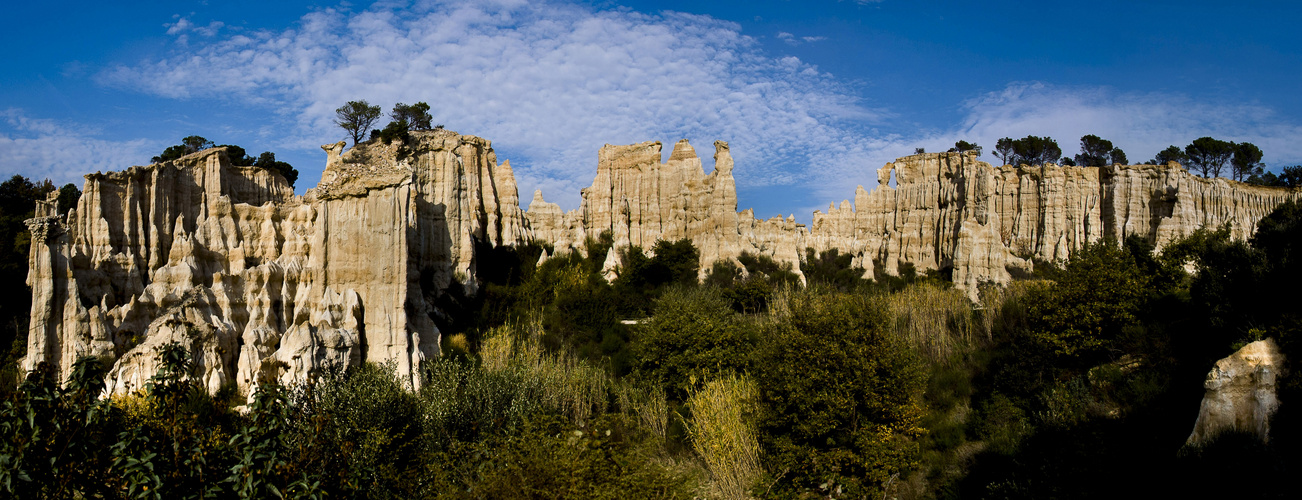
[722, 432]
[648, 404]
[560, 380]
[938, 321]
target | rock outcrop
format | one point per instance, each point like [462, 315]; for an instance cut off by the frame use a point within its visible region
[639, 200]
[259, 283]
[950, 211]
[941, 211]
[1240, 393]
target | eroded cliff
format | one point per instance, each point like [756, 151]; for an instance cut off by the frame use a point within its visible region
[259, 283]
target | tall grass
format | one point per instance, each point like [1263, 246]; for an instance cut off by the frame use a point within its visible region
[938, 321]
[722, 431]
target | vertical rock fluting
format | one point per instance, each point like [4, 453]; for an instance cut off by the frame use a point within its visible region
[936, 211]
[639, 201]
[258, 283]
[950, 211]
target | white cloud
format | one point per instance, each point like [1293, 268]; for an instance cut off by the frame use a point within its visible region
[1139, 123]
[551, 83]
[46, 149]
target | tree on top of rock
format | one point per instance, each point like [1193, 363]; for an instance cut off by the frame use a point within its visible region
[1209, 155]
[962, 146]
[188, 145]
[357, 117]
[1246, 161]
[416, 115]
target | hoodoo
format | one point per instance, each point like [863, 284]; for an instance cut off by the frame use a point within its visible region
[260, 284]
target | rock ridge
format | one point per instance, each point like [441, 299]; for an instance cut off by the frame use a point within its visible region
[261, 284]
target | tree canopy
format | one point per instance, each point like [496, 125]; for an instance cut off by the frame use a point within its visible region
[357, 118]
[1208, 155]
[416, 116]
[962, 146]
[188, 145]
[1029, 150]
[1246, 161]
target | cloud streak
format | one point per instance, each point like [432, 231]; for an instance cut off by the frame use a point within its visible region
[46, 149]
[549, 83]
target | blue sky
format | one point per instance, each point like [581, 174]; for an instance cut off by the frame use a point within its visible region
[813, 95]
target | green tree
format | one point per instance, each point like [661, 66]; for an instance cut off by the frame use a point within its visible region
[1246, 161]
[357, 118]
[268, 161]
[1117, 157]
[68, 197]
[238, 156]
[416, 115]
[693, 336]
[188, 145]
[1209, 155]
[962, 146]
[1094, 151]
[1101, 292]
[1004, 150]
[1034, 150]
[841, 394]
[1171, 154]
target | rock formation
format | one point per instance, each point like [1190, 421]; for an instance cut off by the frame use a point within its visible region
[259, 283]
[1240, 393]
[944, 211]
[640, 200]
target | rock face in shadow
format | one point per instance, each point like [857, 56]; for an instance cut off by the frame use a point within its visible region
[1240, 393]
[259, 283]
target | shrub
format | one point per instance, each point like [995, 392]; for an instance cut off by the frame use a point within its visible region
[722, 431]
[694, 335]
[842, 393]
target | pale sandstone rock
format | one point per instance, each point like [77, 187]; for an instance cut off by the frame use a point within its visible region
[277, 285]
[640, 201]
[259, 283]
[943, 211]
[1240, 393]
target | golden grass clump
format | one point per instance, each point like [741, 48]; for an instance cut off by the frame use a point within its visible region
[722, 432]
[561, 380]
[937, 320]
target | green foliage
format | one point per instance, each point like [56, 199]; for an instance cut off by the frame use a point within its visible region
[69, 195]
[188, 145]
[357, 118]
[1170, 154]
[831, 268]
[1246, 161]
[962, 146]
[268, 161]
[1208, 155]
[693, 337]
[1081, 317]
[842, 394]
[1029, 150]
[416, 116]
[1097, 152]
